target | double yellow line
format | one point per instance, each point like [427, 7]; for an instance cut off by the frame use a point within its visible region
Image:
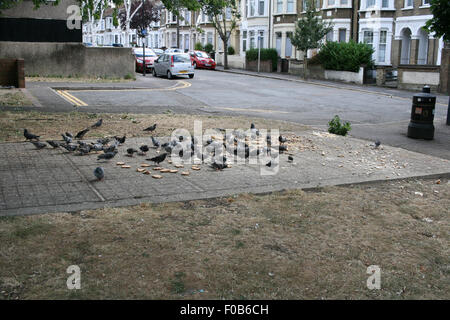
[72, 99]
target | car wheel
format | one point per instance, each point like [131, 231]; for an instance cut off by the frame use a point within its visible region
[195, 65]
[154, 72]
[169, 75]
[191, 76]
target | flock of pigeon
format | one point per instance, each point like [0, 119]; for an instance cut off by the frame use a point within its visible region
[109, 146]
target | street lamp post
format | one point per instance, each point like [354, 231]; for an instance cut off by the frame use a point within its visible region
[259, 51]
[143, 34]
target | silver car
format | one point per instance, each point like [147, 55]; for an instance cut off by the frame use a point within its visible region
[173, 64]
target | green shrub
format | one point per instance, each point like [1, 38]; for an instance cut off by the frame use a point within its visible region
[335, 126]
[230, 50]
[265, 54]
[198, 46]
[208, 48]
[346, 56]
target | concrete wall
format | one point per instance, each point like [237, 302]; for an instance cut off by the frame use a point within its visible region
[414, 77]
[70, 59]
[345, 76]
[234, 61]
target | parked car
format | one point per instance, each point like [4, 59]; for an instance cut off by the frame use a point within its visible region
[173, 50]
[200, 59]
[173, 64]
[158, 51]
[88, 44]
[150, 57]
[118, 45]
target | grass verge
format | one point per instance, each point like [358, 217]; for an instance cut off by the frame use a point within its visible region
[288, 245]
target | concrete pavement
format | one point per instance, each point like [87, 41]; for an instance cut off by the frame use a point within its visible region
[40, 181]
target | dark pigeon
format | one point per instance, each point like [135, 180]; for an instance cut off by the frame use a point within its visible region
[29, 136]
[97, 124]
[99, 173]
[81, 134]
[151, 128]
[38, 144]
[158, 159]
[54, 144]
[107, 156]
[144, 148]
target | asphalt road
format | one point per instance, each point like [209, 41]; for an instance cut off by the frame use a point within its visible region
[373, 114]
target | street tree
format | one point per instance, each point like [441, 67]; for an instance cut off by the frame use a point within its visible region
[309, 32]
[92, 11]
[224, 15]
[440, 23]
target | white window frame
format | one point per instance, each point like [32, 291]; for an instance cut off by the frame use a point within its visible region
[382, 44]
[406, 6]
[279, 6]
[292, 10]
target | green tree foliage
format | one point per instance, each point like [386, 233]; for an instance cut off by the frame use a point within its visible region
[219, 10]
[346, 56]
[309, 31]
[198, 46]
[208, 48]
[265, 54]
[230, 51]
[6, 4]
[440, 23]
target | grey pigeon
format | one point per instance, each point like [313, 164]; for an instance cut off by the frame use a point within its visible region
[97, 147]
[69, 134]
[110, 148]
[54, 144]
[377, 143]
[38, 144]
[99, 173]
[29, 136]
[97, 124]
[84, 149]
[66, 138]
[151, 128]
[282, 148]
[290, 158]
[155, 142]
[70, 147]
[282, 139]
[81, 134]
[103, 140]
[107, 156]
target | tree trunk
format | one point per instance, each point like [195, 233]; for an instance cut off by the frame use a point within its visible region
[305, 65]
[225, 55]
[178, 32]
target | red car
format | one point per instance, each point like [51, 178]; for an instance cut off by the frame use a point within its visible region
[150, 57]
[201, 59]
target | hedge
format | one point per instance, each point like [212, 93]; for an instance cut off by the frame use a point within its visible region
[346, 56]
[265, 54]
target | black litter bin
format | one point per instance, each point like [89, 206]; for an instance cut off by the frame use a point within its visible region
[422, 115]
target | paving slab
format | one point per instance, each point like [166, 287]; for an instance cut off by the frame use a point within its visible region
[53, 180]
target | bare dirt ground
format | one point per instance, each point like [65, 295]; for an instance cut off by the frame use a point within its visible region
[289, 245]
[51, 125]
[77, 79]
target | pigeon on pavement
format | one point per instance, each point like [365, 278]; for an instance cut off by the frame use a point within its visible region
[155, 142]
[107, 155]
[29, 136]
[130, 151]
[158, 159]
[54, 144]
[377, 143]
[99, 173]
[66, 138]
[290, 158]
[81, 134]
[38, 144]
[70, 147]
[144, 148]
[282, 139]
[69, 134]
[121, 140]
[218, 166]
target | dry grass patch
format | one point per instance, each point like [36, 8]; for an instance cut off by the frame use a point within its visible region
[13, 97]
[51, 125]
[78, 79]
[289, 245]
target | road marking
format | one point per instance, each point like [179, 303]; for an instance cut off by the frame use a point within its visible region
[70, 98]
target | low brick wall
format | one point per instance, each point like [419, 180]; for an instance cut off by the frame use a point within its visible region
[70, 59]
[265, 66]
[12, 73]
[414, 77]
